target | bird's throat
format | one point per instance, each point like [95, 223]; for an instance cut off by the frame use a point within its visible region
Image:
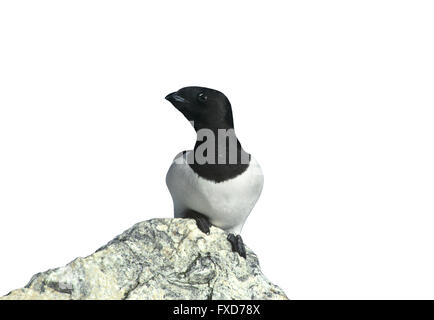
[219, 147]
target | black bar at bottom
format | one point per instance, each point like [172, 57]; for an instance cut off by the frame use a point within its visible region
[235, 309]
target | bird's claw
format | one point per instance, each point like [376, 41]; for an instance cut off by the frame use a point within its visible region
[201, 221]
[237, 244]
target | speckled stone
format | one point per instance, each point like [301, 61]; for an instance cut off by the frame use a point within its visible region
[157, 259]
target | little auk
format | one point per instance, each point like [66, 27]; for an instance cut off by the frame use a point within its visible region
[218, 182]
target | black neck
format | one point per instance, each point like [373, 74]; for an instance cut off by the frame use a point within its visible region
[221, 159]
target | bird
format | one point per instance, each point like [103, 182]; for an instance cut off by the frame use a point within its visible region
[217, 183]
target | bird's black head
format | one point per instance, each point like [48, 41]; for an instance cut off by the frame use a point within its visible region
[207, 108]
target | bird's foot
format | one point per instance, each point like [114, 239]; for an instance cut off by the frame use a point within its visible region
[201, 221]
[237, 244]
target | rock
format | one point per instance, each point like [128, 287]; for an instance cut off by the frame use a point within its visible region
[157, 259]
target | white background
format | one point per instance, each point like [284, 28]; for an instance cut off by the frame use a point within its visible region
[334, 98]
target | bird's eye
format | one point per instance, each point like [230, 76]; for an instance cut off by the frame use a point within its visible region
[202, 97]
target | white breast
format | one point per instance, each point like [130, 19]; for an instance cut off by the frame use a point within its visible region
[226, 204]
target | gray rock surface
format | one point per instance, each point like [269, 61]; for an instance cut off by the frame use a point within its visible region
[157, 259]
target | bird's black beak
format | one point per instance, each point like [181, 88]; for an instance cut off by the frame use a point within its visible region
[181, 104]
[170, 97]
[177, 100]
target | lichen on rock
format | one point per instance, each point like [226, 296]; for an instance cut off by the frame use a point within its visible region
[157, 259]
